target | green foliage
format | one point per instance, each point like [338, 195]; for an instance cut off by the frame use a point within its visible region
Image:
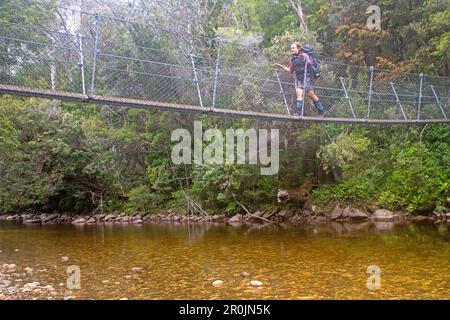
[60, 156]
[416, 180]
[343, 151]
[140, 199]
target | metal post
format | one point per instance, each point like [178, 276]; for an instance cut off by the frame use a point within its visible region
[420, 96]
[81, 62]
[196, 81]
[347, 97]
[398, 100]
[216, 75]
[94, 63]
[282, 92]
[370, 91]
[438, 101]
[304, 87]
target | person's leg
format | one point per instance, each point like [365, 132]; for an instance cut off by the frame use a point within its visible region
[299, 97]
[312, 95]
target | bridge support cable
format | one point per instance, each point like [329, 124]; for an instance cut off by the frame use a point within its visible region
[347, 97]
[371, 69]
[438, 101]
[96, 52]
[216, 75]
[196, 81]
[420, 95]
[397, 100]
[282, 92]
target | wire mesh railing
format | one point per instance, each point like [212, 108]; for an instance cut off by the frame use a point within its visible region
[68, 50]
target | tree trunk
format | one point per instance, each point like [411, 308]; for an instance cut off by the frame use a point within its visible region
[297, 5]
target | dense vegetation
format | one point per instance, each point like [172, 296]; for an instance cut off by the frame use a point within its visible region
[69, 157]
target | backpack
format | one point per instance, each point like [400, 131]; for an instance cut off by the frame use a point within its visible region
[309, 50]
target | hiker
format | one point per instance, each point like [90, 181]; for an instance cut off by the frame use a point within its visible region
[297, 67]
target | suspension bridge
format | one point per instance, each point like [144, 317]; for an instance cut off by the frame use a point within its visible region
[72, 55]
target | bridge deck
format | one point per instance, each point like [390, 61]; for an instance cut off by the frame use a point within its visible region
[164, 106]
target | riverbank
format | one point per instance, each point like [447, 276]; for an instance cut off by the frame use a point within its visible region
[338, 214]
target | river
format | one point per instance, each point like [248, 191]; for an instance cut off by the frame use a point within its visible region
[181, 261]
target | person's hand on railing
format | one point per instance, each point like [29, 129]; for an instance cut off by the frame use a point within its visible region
[282, 67]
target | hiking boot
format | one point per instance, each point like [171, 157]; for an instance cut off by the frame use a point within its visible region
[319, 107]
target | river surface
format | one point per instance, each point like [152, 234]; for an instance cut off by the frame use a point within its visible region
[181, 261]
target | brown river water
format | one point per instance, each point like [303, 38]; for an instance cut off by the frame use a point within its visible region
[168, 261]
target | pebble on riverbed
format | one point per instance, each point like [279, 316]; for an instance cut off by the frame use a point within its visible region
[256, 283]
[65, 259]
[217, 283]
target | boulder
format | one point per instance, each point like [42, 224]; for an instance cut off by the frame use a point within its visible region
[258, 213]
[383, 215]
[336, 213]
[447, 215]
[236, 218]
[109, 217]
[422, 218]
[32, 221]
[79, 221]
[124, 219]
[218, 218]
[270, 213]
[286, 214]
[48, 218]
[91, 220]
[355, 214]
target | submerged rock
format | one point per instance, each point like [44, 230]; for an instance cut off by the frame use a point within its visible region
[256, 283]
[217, 283]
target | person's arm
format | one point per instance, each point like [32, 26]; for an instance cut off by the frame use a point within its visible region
[287, 69]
